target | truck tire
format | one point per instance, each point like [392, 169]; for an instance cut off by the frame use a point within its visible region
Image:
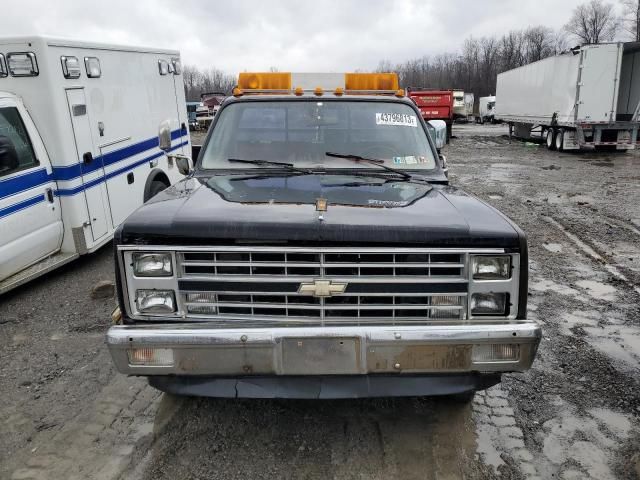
[559, 140]
[550, 138]
[156, 187]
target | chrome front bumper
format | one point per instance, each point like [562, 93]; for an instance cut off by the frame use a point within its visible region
[198, 349]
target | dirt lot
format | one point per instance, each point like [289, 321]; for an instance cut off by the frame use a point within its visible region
[65, 413]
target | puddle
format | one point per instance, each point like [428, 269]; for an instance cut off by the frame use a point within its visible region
[553, 247]
[545, 285]
[619, 343]
[601, 291]
[571, 320]
[607, 334]
[486, 447]
[586, 442]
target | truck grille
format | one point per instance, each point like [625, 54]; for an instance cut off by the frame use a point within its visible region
[381, 286]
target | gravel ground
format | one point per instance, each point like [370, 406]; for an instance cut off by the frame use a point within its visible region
[65, 413]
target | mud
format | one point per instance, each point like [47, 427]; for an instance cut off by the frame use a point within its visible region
[65, 413]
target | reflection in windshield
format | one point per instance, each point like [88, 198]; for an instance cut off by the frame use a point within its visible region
[338, 189]
[300, 132]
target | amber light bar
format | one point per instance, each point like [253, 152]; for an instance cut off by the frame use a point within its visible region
[317, 84]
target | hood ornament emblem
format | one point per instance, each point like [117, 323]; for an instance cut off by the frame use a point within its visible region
[321, 206]
[322, 288]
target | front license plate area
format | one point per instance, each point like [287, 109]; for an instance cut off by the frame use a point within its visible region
[418, 358]
[320, 356]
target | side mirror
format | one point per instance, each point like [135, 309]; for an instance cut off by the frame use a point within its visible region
[164, 136]
[8, 155]
[183, 163]
[443, 164]
[438, 131]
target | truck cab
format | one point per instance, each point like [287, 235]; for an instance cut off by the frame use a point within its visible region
[317, 250]
[30, 212]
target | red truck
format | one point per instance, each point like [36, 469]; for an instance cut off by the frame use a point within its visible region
[434, 105]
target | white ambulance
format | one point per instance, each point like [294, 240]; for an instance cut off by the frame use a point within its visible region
[79, 145]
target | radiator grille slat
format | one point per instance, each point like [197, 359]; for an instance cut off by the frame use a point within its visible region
[397, 287]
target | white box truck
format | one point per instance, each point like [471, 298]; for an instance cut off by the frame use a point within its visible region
[459, 108]
[486, 109]
[587, 97]
[79, 148]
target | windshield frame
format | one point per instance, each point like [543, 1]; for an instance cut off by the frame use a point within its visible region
[436, 173]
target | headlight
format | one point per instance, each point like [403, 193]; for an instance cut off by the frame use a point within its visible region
[489, 304]
[155, 301]
[491, 268]
[152, 264]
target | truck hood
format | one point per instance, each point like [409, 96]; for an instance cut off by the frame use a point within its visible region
[285, 208]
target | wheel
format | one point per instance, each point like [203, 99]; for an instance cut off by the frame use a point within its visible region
[560, 140]
[551, 139]
[156, 187]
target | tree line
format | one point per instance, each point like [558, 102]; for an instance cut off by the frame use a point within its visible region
[475, 67]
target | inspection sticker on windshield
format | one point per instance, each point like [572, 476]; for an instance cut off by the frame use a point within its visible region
[397, 119]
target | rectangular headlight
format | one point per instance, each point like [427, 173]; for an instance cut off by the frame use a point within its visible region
[489, 304]
[152, 264]
[155, 301]
[486, 267]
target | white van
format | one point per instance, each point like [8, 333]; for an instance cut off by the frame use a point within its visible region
[79, 145]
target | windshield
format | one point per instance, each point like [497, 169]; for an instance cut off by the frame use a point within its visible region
[302, 132]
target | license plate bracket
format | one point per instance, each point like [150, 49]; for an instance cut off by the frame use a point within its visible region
[321, 356]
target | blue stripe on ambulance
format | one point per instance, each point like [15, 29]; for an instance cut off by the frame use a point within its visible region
[66, 192]
[23, 182]
[21, 205]
[20, 183]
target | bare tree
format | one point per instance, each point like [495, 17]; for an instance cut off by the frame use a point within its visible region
[197, 82]
[631, 18]
[477, 65]
[593, 22]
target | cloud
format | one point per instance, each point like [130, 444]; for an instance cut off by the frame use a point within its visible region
[333, 35]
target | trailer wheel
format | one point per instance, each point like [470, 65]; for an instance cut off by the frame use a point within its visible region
[560, 140]
[551, 138]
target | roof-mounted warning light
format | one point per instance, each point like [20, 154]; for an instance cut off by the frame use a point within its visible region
[338, 84]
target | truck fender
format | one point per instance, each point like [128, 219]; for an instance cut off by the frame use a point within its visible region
[156, 175]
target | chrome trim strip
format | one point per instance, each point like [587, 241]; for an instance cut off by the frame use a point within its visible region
[202, 350]
[257, 248]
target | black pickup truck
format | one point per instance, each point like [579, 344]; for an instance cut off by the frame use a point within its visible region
[317, 250]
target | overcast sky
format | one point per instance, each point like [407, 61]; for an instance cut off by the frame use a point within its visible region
[300, 35]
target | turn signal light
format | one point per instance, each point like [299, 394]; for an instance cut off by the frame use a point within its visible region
[150, 357]
[490, 352]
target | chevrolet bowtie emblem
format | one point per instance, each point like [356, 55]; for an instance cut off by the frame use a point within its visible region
[322, 288]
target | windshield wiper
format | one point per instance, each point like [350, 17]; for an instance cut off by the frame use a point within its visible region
[286, 166]
[372, 161]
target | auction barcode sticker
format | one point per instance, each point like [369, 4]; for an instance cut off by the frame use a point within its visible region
[399, 119]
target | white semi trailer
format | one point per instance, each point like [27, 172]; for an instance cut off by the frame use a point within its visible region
[584, 98]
